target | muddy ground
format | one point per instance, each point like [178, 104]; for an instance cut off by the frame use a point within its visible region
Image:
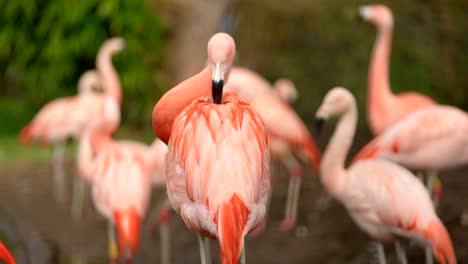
[41, 230]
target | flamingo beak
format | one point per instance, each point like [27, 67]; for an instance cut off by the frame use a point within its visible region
[5, 255]
[217, 82]
[319, 122]
[128, 224]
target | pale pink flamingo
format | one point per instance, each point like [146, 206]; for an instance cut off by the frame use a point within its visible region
[384, 108]
[108, 80]
[5, 255]
[286, 90]
[431, 139]
[217, 164]
[284, 126]
[62, 119]
[384, 199]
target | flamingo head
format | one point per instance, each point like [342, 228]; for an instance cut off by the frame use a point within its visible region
[286, 90]
[127, 223]
[379, 15]
[337, 102]
[221, 52]
[89, 82]
[113, 45]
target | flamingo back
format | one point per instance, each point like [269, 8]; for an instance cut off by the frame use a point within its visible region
[121, 180]
[222, 150]
[431, 138]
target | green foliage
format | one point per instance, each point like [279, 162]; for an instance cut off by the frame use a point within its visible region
[46, 45]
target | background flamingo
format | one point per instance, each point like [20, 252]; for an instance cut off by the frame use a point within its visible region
[384, 108]
[285, 128]
[217, 173]
[62, 119]
[108, 80]
[431, 139]
[384, 199]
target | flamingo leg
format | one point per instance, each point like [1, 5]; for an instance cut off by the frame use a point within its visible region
[164, 217]
[242, 258]
[428, 254]
[59, 170]
[400, 251]
[380, 253]
[113, 249]
[79, 194]
[295, 180]
[201, 243]
[434, 187]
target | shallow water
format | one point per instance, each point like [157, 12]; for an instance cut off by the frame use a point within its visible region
[39, 229]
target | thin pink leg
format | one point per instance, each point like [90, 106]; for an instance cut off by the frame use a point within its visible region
[295, 180]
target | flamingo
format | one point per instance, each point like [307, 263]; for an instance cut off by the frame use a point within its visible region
[283, 126]
[5, 255]
[120, 177]
[431, 139]
[217, 162]
[63, 118]
[108, 80]
[383, 198]
[384, 109]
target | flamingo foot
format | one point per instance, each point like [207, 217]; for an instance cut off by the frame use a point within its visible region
[259, 230]
[287, 224]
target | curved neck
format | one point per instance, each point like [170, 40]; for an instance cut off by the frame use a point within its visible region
[332, 166]
[175, 100]
[110, 78]
[378, 80]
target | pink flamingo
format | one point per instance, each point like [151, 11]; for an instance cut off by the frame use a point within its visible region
[68, 117]
[61, 119]
[5, 255]
[384, 199]
[283, 126]
[432, 139]
[217, 164]
[384, 108]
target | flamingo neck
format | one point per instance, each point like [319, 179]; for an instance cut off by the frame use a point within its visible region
[85, 154]
[110, 78]
[378, 79]
[332, 166]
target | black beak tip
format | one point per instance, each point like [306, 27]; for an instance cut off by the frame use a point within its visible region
[217, 91]
[319, 122]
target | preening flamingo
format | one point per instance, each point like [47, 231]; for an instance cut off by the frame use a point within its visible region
[384, 199]
[217, 163]
[384, 108]
[5, 255]
[61, 119]
[284, 126]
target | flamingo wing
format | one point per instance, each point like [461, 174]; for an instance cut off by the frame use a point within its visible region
[437, 130]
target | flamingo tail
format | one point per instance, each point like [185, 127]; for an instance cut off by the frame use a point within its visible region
[128, 224]
[441, 243]
[312, 154]
[232, 219]
[5, 255]
[25, 135]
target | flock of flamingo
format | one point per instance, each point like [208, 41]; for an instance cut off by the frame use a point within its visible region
[216, 132]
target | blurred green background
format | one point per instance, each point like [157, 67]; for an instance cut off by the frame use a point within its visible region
[45, 46]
